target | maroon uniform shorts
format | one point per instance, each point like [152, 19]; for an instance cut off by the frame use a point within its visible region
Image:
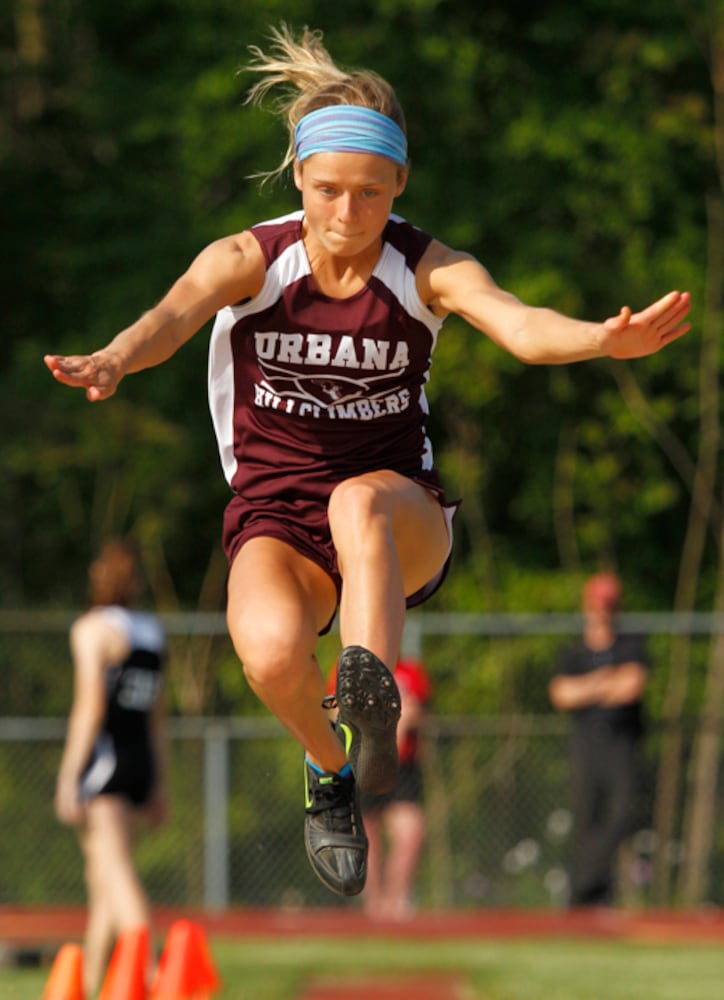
[302, 523]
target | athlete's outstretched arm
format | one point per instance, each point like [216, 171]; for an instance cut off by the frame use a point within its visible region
[225, 272]
[456, 282]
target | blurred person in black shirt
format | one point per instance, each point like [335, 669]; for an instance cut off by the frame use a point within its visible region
[600, 680]
[112, 772]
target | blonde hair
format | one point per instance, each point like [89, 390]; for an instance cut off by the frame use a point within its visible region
[311, 80]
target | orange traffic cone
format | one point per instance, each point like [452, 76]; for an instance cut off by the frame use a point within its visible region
[65, 981]
[186, 970]
[126, 976]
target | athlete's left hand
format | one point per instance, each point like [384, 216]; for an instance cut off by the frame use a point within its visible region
[634, 335]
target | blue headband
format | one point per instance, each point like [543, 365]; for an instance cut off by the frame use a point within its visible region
[348, 128]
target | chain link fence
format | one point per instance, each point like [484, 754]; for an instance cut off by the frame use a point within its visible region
[496, 799]
[496, 802]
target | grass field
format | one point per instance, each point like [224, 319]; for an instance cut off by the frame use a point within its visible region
[557, 969]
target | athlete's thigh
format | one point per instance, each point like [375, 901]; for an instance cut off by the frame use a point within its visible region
[415, 516]
[275, 591]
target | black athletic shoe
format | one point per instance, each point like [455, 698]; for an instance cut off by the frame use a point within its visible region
[368, 701]
[333, 832]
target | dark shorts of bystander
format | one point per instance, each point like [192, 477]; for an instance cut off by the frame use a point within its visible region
[407, 789]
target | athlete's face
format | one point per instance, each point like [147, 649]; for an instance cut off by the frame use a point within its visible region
[347, 198]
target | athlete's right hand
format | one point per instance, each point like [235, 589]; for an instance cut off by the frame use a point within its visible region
[98, 373]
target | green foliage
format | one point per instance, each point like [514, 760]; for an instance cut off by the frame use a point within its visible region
[569, 148]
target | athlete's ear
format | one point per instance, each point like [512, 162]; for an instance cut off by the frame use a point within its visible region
[402, 175]
[298, 175]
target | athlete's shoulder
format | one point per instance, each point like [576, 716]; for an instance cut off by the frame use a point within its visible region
[227, 270]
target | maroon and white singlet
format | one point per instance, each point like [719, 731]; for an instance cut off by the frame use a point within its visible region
[307, 390]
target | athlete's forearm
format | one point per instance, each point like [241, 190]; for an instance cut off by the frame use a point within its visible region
[549, 338]
[151, 340]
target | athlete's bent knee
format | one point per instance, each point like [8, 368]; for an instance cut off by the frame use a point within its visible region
[268, 662]
[355, 501]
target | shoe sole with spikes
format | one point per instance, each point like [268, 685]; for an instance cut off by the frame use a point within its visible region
[368, 701]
